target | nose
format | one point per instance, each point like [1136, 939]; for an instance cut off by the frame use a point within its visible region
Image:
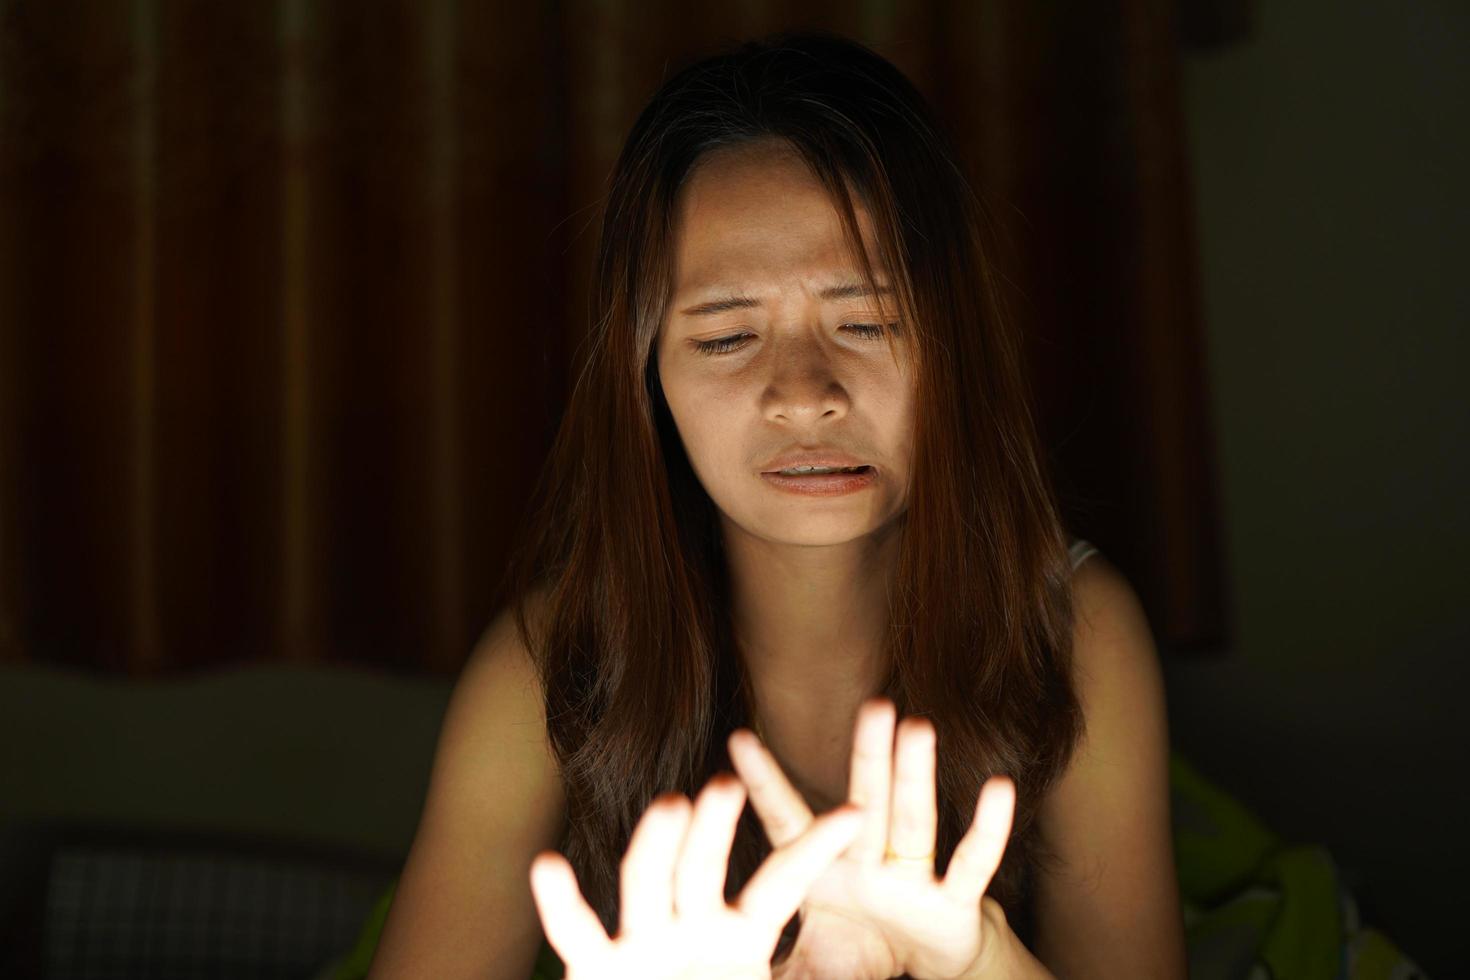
[803, 389]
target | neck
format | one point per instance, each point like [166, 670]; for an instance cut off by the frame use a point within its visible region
[810, 625]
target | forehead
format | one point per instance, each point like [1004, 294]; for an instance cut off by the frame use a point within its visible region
[754, 214]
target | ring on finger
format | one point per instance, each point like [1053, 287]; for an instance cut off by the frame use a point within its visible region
[889, 854]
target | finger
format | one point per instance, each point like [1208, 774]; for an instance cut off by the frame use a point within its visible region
[570, 925]
[782, 811]
[911, 827]
[977, 855]
[869, 780]
[699, 878]
[647, 877]
[779, 885]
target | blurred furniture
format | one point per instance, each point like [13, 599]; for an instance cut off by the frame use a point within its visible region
[92, 902]
[229, 823]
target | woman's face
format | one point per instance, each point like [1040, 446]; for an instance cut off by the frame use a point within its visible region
[799, 370]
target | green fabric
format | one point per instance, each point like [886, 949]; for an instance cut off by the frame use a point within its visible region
[1254, 905]
[1257, 906]
[356, 963]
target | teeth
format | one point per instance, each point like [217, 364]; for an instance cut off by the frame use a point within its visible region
[812, 470]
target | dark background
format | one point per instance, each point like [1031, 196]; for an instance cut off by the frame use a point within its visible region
[289, 292]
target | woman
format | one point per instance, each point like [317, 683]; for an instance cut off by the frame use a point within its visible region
[790, 276]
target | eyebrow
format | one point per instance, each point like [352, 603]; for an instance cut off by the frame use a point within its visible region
[727, 303]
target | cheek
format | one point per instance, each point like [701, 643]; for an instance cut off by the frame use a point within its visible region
[699, 415]
[897, 406]
[891, 395]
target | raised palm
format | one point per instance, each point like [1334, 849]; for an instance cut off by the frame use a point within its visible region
[878, 910]
[676, 924]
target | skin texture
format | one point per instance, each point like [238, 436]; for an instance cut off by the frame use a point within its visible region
[809, 577]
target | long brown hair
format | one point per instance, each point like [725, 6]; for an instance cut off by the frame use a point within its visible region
[632, 642]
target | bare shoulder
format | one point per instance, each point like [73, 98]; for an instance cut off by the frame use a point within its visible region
[496, 714]
[1107, 817]
[1111, 628]
[500, 667]
[463, 906]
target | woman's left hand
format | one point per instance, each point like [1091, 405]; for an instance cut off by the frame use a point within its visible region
[878, 911]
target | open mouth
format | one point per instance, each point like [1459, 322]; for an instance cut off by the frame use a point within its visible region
[821, 470]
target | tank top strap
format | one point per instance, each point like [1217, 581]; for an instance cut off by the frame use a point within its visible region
[1080, 551]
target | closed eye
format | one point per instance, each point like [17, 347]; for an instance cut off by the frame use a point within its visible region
[725, 345]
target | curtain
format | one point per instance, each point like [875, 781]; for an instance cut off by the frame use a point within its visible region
[289, 293]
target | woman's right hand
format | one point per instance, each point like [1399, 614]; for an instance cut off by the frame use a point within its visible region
[675, 921]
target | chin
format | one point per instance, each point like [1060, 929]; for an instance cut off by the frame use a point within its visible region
[816, 531]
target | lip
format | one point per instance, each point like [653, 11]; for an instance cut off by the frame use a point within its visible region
[812, 457]
[824, 485]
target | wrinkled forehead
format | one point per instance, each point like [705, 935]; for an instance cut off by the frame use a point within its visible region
[757, 211]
